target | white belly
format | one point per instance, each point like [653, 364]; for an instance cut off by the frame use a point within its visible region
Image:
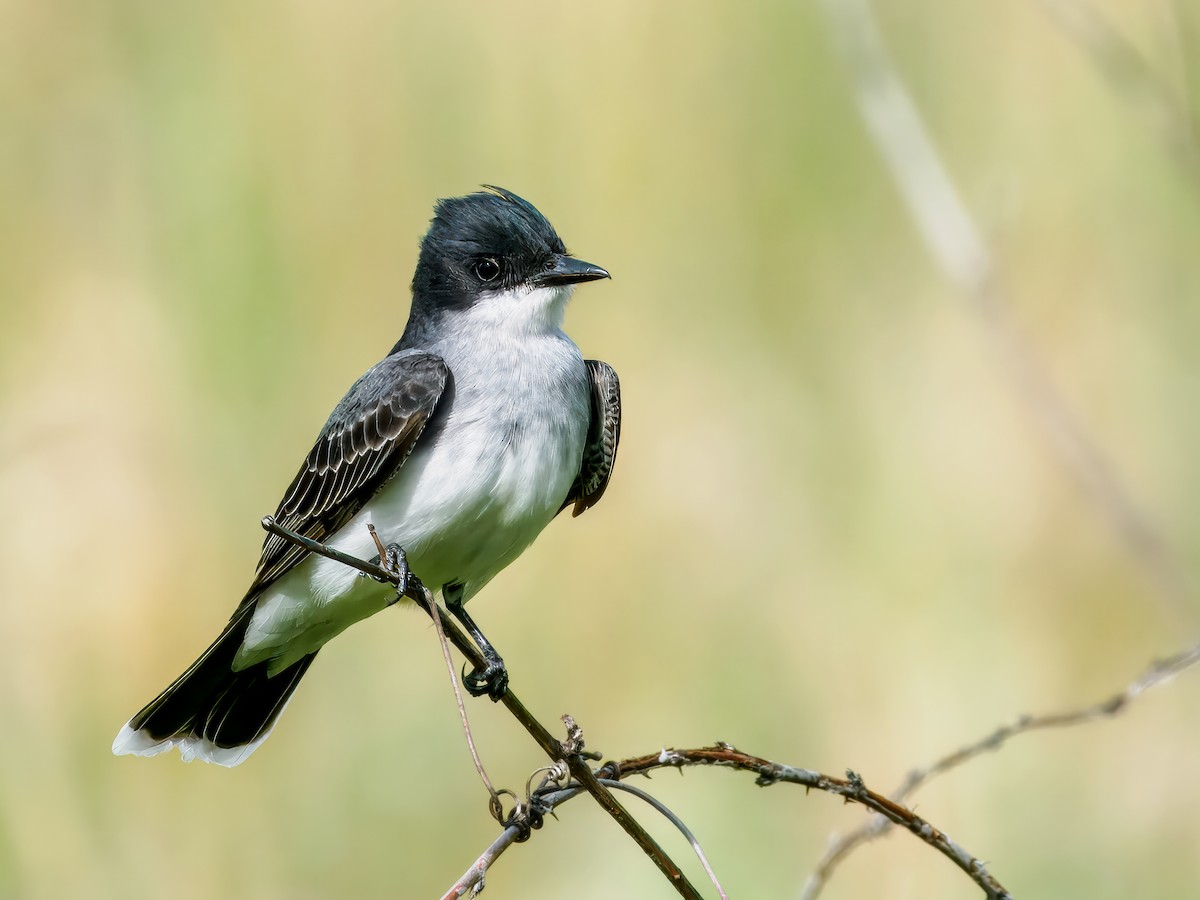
[462, 507]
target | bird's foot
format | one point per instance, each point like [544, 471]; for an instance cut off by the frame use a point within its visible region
[395, 561]
[491, 679]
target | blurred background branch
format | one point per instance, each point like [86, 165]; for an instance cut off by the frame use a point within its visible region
[1170, 111]
[959, 249]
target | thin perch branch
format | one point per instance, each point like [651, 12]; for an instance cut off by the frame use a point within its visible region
[851, 788]
[579, 769]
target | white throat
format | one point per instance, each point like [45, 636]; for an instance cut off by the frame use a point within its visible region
[516, 312]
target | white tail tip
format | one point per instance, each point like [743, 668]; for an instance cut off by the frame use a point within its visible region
[138, 743]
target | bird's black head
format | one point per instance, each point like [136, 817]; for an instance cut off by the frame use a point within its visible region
[489, 242]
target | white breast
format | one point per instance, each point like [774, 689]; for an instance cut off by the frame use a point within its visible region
[469, 499]
[466, 505]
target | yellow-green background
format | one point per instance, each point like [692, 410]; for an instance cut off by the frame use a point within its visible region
[836, 537]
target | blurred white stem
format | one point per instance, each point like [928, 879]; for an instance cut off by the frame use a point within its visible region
[958, 248]
[910, 154]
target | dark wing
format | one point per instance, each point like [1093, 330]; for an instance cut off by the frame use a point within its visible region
[603, 435]
[367, 438]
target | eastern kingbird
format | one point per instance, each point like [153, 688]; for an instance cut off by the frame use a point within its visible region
[482, 424]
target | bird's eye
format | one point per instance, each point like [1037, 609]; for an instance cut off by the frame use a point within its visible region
[487, 270]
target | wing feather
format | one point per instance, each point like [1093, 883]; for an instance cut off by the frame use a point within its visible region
[603, 436]
[366, 440]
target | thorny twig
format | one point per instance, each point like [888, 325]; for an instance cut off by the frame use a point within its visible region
[841, 846]
[851, 788]
[722, 755]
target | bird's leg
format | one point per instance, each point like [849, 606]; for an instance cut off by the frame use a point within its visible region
[492, 679]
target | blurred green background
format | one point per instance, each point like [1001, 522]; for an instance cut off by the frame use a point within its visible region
[836, 536]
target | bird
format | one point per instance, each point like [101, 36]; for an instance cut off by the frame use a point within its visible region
[479, 427]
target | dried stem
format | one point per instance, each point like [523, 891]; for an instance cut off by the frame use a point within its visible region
[496, 806]
[472, 880]
[662, 808]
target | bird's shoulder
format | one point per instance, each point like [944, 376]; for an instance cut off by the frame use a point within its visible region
[406, 380]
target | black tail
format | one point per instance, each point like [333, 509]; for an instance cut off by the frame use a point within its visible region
[210, 711]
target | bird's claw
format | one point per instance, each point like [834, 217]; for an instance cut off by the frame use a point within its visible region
[395, 562]
[492, 679]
